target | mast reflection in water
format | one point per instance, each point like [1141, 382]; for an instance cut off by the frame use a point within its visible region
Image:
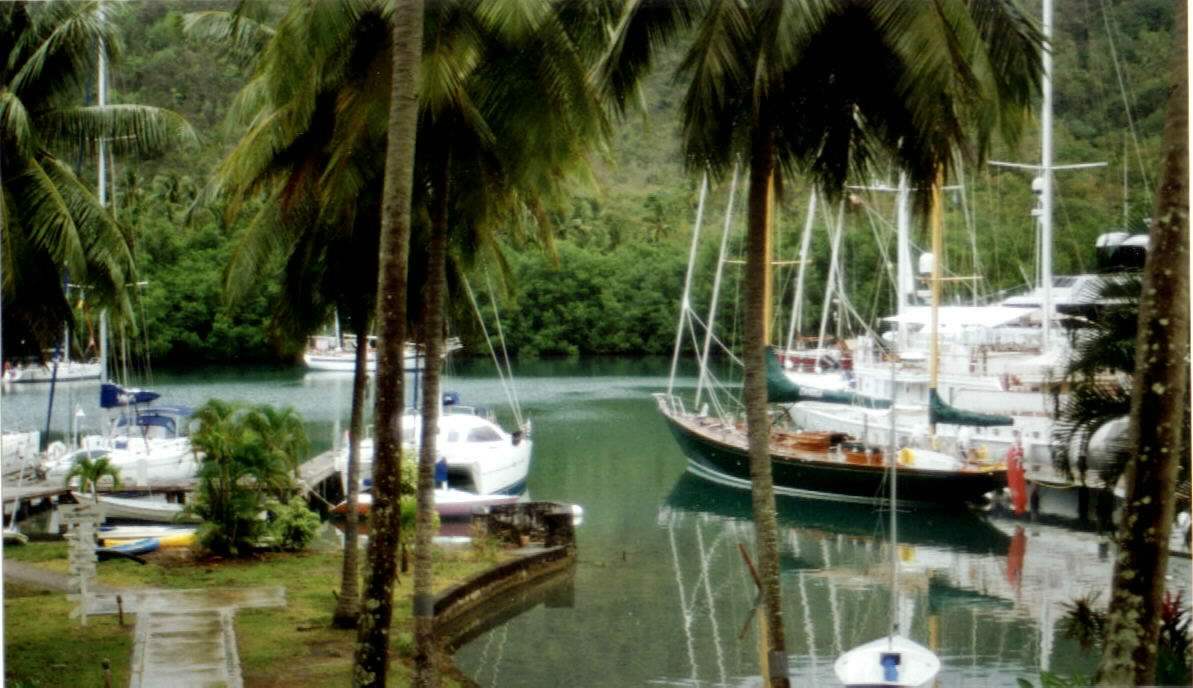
[660, 595]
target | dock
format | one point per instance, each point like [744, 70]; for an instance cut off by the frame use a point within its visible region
[318, 482]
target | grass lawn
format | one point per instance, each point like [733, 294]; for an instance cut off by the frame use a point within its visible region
[293, 646]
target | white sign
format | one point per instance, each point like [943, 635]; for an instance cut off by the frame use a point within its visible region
[81, 513]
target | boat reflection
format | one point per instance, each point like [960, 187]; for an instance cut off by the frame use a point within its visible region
[980, 592]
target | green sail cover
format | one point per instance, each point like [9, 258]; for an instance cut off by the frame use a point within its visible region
[940, 412]
[781, 390]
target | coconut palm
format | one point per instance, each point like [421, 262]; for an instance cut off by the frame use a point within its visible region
[90, 470]
[54, 229]
[321, 219]
[371, 660]
[1159, 404]
[831, 88]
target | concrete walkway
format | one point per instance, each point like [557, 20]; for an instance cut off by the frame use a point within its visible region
[183, 638]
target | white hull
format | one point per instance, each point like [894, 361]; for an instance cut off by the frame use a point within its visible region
[174, 464]
[153, 508]
[862, 667]
[67, 371]
[481, 458]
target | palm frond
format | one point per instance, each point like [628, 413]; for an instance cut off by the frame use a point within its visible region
[135, 128]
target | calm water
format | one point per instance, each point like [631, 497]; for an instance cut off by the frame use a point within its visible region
[661, 595]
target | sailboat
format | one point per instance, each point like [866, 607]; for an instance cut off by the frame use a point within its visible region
[815, 464]
[894, 659]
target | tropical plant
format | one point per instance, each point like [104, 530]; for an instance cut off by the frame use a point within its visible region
[90, 470]
[832, 88]
[54, 229]
[293, 524]
[240, 471]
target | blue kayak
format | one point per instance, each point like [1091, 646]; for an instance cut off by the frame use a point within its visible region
[143, 546]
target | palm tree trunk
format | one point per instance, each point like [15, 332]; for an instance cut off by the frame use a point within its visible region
[1157, 405]
[757, 294]
[425, 667]
[371, 661]
[348, 604]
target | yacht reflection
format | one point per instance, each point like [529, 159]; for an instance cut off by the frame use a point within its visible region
[964, 580]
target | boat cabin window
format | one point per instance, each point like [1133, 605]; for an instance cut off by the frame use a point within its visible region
[483, 434]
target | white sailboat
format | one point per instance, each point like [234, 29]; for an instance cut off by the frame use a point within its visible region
[894, 659]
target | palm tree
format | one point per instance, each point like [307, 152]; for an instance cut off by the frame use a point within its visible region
[1159, 404]
[241, 466]
[506, 97]
[830, 88]
[54, 229]
[90, 471]
[371, 660]
[317, 219]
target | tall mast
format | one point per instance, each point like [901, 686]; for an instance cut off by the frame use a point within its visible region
[1046, 180]
[102, 99]
[1043, 185]
[904, 279]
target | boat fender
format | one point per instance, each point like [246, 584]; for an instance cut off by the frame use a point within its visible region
[906, 457]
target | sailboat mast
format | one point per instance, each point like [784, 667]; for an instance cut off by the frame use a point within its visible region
[934, 222]
[102, 187]
[903, 276]
[793, 329]
[894, 496]
[1046, 179]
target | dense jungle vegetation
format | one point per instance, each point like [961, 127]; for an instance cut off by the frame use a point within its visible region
[611, 284]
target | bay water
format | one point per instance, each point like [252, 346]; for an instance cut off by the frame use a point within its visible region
[661, 594]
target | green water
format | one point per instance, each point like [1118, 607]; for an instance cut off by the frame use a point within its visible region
[660, 595]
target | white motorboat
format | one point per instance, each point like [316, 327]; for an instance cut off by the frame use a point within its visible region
[326, 353]
[60, 371]
[481, 457]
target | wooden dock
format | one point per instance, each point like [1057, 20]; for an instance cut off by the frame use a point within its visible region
[318, 481]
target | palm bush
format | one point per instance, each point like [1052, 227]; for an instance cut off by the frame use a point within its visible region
[244, 466]
[90, 470]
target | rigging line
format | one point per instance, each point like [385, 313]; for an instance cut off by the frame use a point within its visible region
[829, 284]
[505, 354]
[684, 610]
[485, 330]
[797, 302]
[1118, 73]
[687, 285]
[716, 285]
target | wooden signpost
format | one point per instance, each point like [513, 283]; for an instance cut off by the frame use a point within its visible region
[81, 519]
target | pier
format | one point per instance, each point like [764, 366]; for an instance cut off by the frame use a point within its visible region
[318, 481]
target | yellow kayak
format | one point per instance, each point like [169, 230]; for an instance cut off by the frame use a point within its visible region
[176, 540]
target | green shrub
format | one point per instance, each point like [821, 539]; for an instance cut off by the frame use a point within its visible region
[294, 524]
